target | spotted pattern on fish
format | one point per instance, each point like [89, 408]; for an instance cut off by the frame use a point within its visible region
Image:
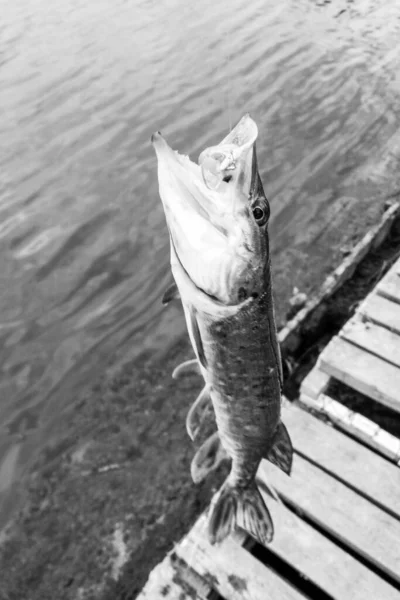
[225, 288]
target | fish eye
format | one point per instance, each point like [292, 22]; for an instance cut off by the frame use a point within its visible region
[261, 214]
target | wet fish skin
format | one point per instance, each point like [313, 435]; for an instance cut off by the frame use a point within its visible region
[245, 379]
[234, 337]
[243, 373]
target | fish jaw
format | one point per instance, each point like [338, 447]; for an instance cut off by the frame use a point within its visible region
[208, 212]
[191, 218]
[232, 159]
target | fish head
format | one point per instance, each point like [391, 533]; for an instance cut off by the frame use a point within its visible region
[217, 214]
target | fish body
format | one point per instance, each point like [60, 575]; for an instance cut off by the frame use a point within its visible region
[226, 292]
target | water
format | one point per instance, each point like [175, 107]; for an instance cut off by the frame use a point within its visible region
[83, 244]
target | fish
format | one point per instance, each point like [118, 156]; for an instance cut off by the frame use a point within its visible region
[217, 216]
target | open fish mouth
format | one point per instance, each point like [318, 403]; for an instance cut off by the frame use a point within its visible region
[231, 161]
[229, 168]
[207, 208]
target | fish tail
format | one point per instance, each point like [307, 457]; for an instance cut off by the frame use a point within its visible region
[240, 507]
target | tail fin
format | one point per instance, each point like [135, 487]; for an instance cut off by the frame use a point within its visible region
[237, 507]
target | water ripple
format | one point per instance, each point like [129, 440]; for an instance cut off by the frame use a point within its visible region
[83, 241]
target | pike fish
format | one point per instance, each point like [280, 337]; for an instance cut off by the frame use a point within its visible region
[217, 216]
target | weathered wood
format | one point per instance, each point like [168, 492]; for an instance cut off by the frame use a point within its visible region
[345, 458]
[289, 336]
[296, 542]
[360, 427]
[381, 311]
[163, 584]
[323, 562]
[315, 383]
[338, 510]
[362, 371]
[389, 287]
[373, 338]
[231, 569]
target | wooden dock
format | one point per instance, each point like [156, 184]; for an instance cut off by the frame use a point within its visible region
[337, 530]
[366, 357]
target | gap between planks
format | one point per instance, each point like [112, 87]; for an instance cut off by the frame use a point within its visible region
[344, 458]
[307, 550]
[236, 574]
[298, 543]
[341, 513]
[362, 371]
[373, 338]
[381, 311]
[356, 425]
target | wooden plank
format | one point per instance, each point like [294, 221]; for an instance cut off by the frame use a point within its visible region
[360, 427]
[323, 562]
[375, 339]
[335, 508]
[396, 266]
[162, 584]
[381, 311]
[336, 572]
[315, 383]
[389, 287]
[345, 458]
[362, 371]
[296, 542]
[234, 572]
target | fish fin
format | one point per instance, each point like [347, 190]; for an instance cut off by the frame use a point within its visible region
[281, 452]
[207, 458]
[274, 342]
[171, 293]
[198, 412]
[240, 507]
[197, 338]
[189, 367]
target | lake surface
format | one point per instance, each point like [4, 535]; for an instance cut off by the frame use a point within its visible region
[83, 244]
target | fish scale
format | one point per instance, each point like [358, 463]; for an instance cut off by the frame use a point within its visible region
[241, 365]
[231, 327]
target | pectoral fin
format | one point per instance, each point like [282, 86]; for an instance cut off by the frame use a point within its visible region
[189, 367]
[207, 458]
[171, 293]
[198, 412]
[281, 452]
[197, 338]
